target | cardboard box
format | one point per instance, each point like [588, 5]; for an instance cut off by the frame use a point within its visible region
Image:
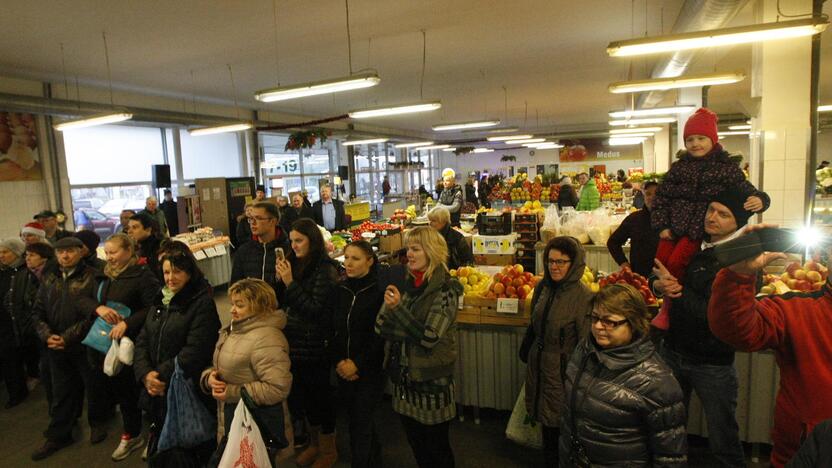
[486, 245]
[391, 242]
[506, 312]
[494, 259]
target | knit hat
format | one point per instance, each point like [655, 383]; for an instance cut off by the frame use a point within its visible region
[42, 249]
[13, 245]
[703, 122]
[89, 238]
[734, 201]
[33, 228]
[69, 242]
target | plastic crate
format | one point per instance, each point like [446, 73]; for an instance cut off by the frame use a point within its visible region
[491, 225]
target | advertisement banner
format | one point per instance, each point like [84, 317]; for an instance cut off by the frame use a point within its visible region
[19, 159]
[596, 150]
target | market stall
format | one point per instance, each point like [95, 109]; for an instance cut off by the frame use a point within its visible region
[212, 253]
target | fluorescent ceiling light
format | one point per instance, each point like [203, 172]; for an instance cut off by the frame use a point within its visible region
[493, 130]
[101, 119]
[434, 147]
[624, 131]
[722, 134]
[548, 144]
[740, 127]
[631, 135]
[552, 146]
[237, 127]
[368, 141]
[465, 125]
[483, 150]
[413, 145]
[646, 121]
[625, 141]
[663, 84]
[825, 108]
[357, 81]
[654, 111]
[718, 37]
[526, 140]
[395, 110]
[449, 150]
[509, 137]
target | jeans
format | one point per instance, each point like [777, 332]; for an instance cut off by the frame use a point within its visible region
[360, 399]
[312, 392]
[71, 376]
[716, 387]
[430, 444]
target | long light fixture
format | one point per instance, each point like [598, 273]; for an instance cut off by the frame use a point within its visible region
[624, 131]
[414, 144]
[449, 150]
[649, 112]
[719, 37]
[631, 135]
[368, 141]
[433, 147]
[493, 130]
[509, 137]
[645, 121]
[663, 84]
[740, 127]
[722, 134]
[237, 127]
[549, 146]
[347, 83]
[483, 150]
[526, 140]
[466, 125]
[100, 119]
[395, 110]
[825, 108]
[625, 141]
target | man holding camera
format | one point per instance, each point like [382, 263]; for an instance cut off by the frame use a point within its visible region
[798, 327]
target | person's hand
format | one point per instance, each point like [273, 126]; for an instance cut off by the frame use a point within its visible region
[153, 385]
[752, 265]
[284, 271]
[109, 315]
[392, 297]
[666, 234]
[55, 342]
[753, 204]
[214, 380]
[118, 331]
[219, 394]
[666, 284]
[347, 370]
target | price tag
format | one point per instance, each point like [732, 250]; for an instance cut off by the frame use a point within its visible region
[220, 249]
[200, 255]
[506, 305]
[461, 301]
[211, 252]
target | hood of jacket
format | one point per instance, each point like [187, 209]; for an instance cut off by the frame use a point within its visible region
[621, 357]
[276, 319]
[576, 268]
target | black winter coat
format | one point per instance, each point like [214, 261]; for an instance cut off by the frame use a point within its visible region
[567, 196]
[11, 326]
[359, 301]
[242, 233]
[627, 407]
[255, 259]
[136, 287]
[459, 252]
[309, 304]
[291, 214]
[689, 333]
[340, 215]
[66, 306]
[20, 302]
[148, 254]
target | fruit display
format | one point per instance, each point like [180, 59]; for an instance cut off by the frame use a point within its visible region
[627, 276]
[474, 282]
[824, 179]
[404, 216]
[512, 282]
[368, 226]
[589, 279]
[801, 278]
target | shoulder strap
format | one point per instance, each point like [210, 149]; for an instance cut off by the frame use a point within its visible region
[100, 291]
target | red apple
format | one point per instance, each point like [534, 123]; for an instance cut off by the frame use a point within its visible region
[812, 265]
[800, 274]
[794, 266]
[792, 284]
[803, 285]
[511, 290]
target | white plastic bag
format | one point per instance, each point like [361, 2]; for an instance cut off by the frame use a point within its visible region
[599, 227]
[125, 351]
[112, 366]
[521, 428]
[245, 446]
[573, 223]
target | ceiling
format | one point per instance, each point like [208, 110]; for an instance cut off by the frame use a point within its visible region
[548, 54]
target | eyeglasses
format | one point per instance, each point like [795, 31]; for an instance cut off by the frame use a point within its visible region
[559, 263]
[258, 219]
[606, 323]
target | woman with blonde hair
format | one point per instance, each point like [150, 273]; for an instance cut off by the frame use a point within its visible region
[622, 404]
[420, 354]
[251, 355]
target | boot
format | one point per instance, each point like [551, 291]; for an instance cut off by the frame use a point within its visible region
[310, 453]
[328, 453]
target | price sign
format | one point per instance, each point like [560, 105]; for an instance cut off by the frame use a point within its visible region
[461, 301]
[507, 305]
[211, 252]
[220, 249]
[200, 255]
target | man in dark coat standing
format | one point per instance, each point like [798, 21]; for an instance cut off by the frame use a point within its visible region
[171, 214]
[328, 212]
[644, 240]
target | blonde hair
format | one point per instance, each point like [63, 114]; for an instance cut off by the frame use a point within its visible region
[440, 214]
[124, 241]
[626, 301]
[257, 292]
[434, 246]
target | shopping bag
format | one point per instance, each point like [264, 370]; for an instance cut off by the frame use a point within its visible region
[188, 422]
[521, 428]
[125, 351]
[244, 446]
[98, 338]
[112, 365]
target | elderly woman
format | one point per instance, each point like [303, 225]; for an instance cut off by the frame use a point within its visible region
[420, 329]
[560, 304]
[459, 251]
[14, 329]
[623, 405]
[251, 355]
[451, 197]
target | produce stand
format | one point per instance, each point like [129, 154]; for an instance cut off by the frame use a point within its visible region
[212, 253]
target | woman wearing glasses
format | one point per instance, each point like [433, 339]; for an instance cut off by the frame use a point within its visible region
[559, 307]
[622, 398]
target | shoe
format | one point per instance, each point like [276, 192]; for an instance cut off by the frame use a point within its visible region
[126, 446]
[327, 452]
[310, 453]
[144, 453]
[97, 435]
[301, 440]
[49, 448]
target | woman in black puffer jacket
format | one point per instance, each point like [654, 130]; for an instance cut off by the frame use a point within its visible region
[620, 395]
[308, 278]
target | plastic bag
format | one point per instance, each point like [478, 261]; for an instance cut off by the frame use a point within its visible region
[551, 219]
[574, 223]
[125, 351]
[521, 428]
[188, 422]
[112, 365]
[245, 446]
[599, 227]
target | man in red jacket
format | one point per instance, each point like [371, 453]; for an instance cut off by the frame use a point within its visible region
[798, 327]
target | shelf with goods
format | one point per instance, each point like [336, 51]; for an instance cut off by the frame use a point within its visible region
[527, 228]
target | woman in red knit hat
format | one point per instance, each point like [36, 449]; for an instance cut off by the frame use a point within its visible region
[702, 171]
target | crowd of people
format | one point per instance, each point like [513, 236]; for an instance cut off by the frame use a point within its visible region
[606, 389]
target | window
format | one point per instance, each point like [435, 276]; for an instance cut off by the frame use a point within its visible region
[111, 154]
[210, 155]
[299, 169]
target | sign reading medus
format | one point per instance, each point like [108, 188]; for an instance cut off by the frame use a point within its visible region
[597, 149]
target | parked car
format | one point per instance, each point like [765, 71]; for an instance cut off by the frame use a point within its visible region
[94, 203]
[93, 220]
[113, 208]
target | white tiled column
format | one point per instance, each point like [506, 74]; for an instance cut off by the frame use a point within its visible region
[781, 80]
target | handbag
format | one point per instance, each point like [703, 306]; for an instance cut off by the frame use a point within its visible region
[188, 422]
[270, 420]
[98, 338]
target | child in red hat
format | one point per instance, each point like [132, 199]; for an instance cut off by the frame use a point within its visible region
[702, 171]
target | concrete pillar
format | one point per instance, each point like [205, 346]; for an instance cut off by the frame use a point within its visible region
[781, 81]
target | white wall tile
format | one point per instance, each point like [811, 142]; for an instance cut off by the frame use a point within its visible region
[774, 214]
[773, 175]
[794, 175]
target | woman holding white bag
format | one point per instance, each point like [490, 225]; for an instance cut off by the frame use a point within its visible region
[134, 286]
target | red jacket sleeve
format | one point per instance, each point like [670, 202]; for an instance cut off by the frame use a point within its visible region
[737, 318]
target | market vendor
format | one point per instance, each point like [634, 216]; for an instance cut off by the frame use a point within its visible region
[328, 212]
[451, 196]
[643, 238]
[459, 251]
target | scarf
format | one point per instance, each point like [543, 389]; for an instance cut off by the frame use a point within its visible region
[167, 296]
[418, 278]
[113, 272]
[38, 271]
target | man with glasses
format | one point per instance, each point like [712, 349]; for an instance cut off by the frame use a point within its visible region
[700, 361]
[256, 258]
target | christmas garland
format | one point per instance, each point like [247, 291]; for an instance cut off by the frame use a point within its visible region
[305, 139]
[508, 157]
[463, 150]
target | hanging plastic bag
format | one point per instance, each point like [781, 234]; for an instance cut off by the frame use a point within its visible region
[551, 223]
[573, 223]
[112, 366]
[245, 446]
[599, 227]
[125, 351]
[188, 422]
[521, 428]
